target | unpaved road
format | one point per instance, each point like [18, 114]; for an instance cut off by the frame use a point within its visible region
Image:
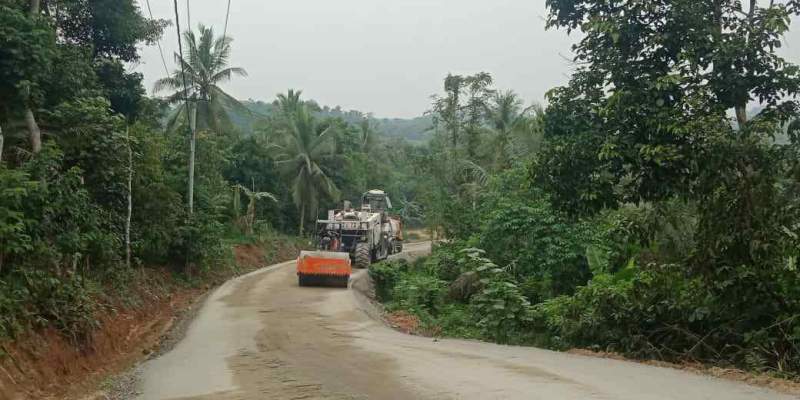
[262, 337]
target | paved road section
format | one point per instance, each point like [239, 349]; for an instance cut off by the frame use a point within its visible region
[261, 336]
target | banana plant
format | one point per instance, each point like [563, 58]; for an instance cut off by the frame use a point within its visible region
[249, 219]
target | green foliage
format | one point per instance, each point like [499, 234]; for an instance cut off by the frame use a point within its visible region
[504, 312]
[66, 227]
[421, 293]
[27, 48]
[40, 298]
[305, 147]
[199, 242]
[112, 28]
[385, 276]
[202, 70]
[14, 188]
[534, 241]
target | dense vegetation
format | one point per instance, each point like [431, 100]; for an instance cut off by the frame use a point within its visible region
[100, 184]
[645, 211]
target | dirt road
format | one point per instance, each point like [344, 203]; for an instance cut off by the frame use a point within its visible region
[262, 337]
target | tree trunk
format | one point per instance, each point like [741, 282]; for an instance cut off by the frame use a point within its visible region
[1, 144]
[302, 218]
[130, 202]
[33, 130]
[192, 145]
[741, 115]
[30, 120]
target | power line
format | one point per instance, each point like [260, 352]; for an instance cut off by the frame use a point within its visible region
[158, 42]
[227, 15]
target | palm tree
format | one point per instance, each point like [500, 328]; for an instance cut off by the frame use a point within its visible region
[290, 102]
[517, 130]
[300, 157]
[205, 68]
[505, 115]
[196, 89]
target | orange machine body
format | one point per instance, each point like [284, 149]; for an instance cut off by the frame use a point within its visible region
[323, 268]
[323, 263]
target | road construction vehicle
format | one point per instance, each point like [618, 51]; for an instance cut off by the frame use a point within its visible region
[350, 237]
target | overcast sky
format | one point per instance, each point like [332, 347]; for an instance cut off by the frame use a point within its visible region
[381, 56]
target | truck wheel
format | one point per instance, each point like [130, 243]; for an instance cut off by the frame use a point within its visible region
[362, 256]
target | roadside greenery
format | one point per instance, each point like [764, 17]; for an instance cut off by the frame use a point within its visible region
[651, 214]
[91, 167]
[644, 210]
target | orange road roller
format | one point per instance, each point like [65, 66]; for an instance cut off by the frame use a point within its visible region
[323, 268]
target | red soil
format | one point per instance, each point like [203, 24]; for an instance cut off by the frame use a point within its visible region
[46, 365]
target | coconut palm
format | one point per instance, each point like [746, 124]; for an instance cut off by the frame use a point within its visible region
[516, 128]
[197, 91]
[205, 68]
[504, 114]
[290, 102]
[300, 158]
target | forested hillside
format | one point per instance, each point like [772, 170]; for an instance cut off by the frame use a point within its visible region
[415, 130]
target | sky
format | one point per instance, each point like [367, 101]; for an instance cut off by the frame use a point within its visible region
[385, 57]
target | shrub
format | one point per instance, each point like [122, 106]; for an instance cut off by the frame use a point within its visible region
[200, 243]
[501, 311]
[40, 298]
[420, 293]
[385, 276]
[536, 241]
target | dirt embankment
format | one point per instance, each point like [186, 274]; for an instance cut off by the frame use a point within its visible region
[46, 365]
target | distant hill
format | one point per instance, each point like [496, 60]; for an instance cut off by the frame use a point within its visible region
[416, 130]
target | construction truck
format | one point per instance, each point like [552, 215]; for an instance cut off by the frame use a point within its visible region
[351, 237]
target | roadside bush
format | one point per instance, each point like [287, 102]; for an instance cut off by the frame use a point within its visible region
[385, 276]
[36, 298]
[421, 294]
[200, 243]
[502, 312]
[638, 313]
[533, 240]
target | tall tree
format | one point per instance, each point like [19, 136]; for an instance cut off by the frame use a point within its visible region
[725, 47]
[290, 102]
[505, 115]
[301, 155]
[204, 68]
[462, 110]
[649, 71]
[478, 95]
